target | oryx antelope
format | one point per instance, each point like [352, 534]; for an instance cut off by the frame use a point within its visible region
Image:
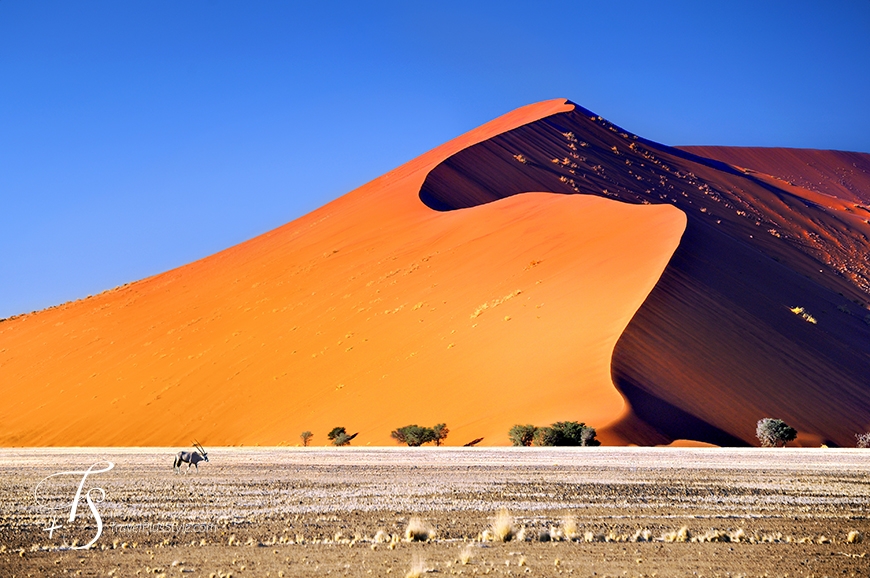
[190, 458]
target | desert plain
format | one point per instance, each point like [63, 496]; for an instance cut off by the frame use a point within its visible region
[599, 512]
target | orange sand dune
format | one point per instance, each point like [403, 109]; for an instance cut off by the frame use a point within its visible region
[371, 313]
[548, 265]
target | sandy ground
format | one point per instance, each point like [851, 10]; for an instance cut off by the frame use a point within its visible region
[318, 512]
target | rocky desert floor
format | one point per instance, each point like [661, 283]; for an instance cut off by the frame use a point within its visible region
[474, 511]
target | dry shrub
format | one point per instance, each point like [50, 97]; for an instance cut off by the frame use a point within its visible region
[465, 555]
[381, 537]
[418, 568]
[681, 535]
[569, 528]
[713, 536]
[502, 527]
[418, 530]
[642, 536]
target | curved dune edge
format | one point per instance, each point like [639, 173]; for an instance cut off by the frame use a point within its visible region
[372, 312]
[715, 346]
[375, 311]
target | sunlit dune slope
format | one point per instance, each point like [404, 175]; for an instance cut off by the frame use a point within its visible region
[763, 309]
[371, 313]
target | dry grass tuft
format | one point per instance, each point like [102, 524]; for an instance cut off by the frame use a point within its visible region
[569, 528]
[418, 530]
[642, 536]
[465, 555]
[502, 527]
[418, 568]
[381, 537]
[804, 314]
[681, 535]
[713, 536]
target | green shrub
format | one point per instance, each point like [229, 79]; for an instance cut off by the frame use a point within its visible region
[440, 430]
[338, 436]
[413, 435]
[545, 436]
[522, 435]
[773, 432]
[566, 433]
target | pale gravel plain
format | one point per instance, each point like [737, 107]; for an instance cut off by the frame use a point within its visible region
[316, 511]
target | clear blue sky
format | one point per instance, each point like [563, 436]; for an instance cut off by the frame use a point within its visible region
[139, 136]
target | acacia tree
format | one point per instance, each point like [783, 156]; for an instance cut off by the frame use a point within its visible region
[522, 435]
[413, 435]
[306, 438]
[440, 431]
[338, 436]
[772, 432]
[566, 433]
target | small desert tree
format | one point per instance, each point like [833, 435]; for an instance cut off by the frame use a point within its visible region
[545, 436]
[413, 435]
[863, 440]
[522, 435]
[587, 437]
[773, 432]
[440, 431]
[573, 433]
[338, 436]
[306, 437]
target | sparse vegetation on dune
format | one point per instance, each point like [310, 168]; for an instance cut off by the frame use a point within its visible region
[804, 314]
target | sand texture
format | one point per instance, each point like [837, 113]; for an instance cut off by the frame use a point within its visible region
[642, 289]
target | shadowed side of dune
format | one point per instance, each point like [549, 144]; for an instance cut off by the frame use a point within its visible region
[837, 173]
[715, 346]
